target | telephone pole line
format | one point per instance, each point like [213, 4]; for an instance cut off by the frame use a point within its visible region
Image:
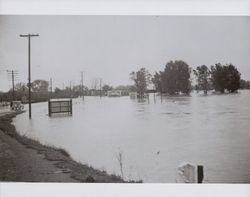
[29, 36]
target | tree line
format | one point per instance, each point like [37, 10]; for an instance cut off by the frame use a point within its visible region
[41, 91]
[175, 79]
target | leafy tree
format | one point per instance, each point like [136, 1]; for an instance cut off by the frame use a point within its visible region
[176, 78]
[40, 85]
[141, 79]
[203, 73]
[157, 81]
[233, 78]
[225, 77]
[106, 88]
[218, 77]
[244, 84]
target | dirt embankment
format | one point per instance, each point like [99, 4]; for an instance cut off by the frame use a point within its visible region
[23, 159]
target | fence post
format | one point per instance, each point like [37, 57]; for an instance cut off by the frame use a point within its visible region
[49, 108]
[200, 173]
[71, 106]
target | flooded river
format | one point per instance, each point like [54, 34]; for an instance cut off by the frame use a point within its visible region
[153, 138]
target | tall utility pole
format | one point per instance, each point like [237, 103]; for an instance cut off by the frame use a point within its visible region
[51, 90]
[82, 92]
[12, 73]
[100, 88]
[29, 36]
[70, 89]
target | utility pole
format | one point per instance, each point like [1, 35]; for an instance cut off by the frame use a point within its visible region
[51, 90]
[70, 89]
[12, 73]
[29, 36]
[82, 91]
[100, 88]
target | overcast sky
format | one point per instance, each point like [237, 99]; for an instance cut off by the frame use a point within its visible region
[110, 47]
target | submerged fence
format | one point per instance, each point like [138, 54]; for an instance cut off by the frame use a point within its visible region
[56, 106]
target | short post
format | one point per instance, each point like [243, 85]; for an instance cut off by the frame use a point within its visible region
[49, 108]
[188, 173]
[70, 106]
[200, 173]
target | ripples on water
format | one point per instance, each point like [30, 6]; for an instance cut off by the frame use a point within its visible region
[154, 138]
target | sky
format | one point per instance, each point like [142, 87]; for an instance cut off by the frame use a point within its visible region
[111, 47]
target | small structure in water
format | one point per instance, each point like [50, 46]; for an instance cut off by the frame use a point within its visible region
[133, 95]
[56, 106]
[114, 93]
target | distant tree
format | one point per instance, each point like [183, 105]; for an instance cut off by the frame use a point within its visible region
[76, 90]
[176, 78]
[218, 77]
[126, 88]
[106, 88]
[21, 87]
[58, 90]
[233, 78]
[203, 74]
[40, 85]
[225, 77]
[244, 84]
[141, 79]
[157, 81]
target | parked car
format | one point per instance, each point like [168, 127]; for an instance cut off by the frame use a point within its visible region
[16, 105]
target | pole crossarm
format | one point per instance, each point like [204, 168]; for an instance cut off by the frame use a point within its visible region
[28, 35]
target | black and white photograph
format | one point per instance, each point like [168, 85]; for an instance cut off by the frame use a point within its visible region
[150, 99]
[124, 99]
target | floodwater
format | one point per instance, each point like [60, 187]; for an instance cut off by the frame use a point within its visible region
[152, 138]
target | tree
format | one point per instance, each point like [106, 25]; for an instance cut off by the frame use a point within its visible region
[244, 84]
[106, 88]
[141, 79]
[21, 87]
[218, 77]
[203, 73]
[157, 81]
[225, 77]
[176, 78]
[40, 85]
[233, 78]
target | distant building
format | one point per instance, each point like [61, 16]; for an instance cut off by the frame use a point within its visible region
[133, 95]
[114, 93]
